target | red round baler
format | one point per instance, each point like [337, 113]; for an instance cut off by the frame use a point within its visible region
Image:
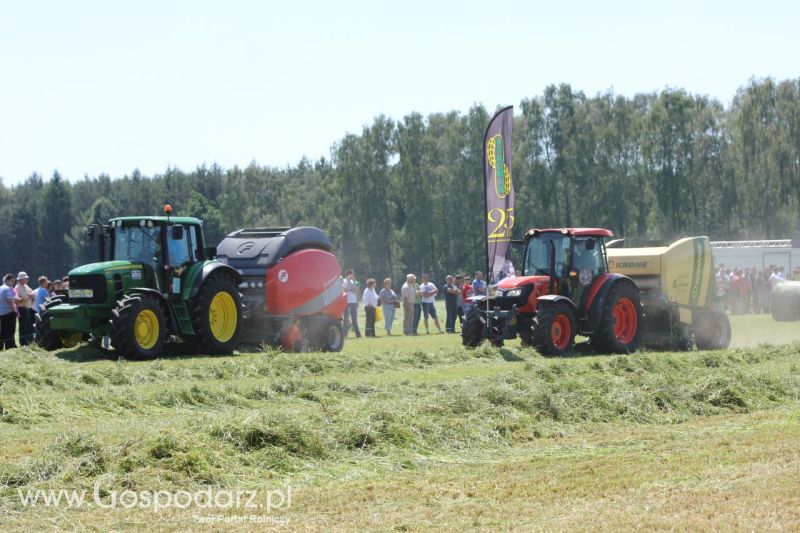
[291, 286]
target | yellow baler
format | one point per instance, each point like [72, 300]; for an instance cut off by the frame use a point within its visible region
[679, 293]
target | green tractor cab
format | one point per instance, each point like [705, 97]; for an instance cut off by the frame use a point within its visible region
[155, 281]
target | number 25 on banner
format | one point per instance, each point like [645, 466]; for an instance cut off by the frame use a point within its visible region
[503, 220]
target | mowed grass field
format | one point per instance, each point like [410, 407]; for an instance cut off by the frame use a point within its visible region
[410, 433]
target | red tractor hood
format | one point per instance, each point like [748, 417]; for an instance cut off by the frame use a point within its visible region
[522, 281]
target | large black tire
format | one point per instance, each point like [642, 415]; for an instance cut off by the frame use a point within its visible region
[553, 329]
[217, 315]
[472, 331]
[325, 334]
[712, 330]
[138, 327]
[620, 329]
[683, 344]
[525, 331]
[46, 336]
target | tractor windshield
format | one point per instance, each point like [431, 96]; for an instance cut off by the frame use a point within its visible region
[136, 243]
[587, 255]
[538, 253]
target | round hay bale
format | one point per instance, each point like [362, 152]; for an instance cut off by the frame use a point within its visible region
[785, 301]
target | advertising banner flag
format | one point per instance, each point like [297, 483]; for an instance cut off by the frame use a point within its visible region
[499, 193]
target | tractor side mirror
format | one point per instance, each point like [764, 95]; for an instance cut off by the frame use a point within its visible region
[90, 231]
[177, 233]
[211, 251]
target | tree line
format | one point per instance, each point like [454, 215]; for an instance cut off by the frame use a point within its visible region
[406, 195]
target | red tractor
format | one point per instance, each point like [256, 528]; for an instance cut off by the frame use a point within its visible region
[566, 289]
[291, 287]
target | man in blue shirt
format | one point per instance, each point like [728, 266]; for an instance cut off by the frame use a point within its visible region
[478, 285]
[41, 293]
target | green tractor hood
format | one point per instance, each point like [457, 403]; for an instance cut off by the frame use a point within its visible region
[103, 267]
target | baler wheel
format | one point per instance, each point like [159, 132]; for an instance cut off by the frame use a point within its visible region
[712, 330]
[327, 335]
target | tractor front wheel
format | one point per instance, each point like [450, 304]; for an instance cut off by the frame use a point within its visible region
[620, 331]
[51, 339]
[472, 331]
[553, 329]
[46, 337]
[217, 315]
[139, 327]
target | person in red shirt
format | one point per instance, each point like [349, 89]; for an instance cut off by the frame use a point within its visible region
[466, 292]
[739, 292]
[458, 287]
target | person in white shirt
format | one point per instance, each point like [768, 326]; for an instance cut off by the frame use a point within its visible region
[429, 292]
[774, 278]
[409, 296]
[25, 309]
[370, 299]
[350, 287]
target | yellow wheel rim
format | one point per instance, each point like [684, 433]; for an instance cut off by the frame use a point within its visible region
[146, 329]
[70, 340]
[222, 316]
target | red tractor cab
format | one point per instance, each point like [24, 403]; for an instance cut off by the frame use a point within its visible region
[291, 286]
[566, 290]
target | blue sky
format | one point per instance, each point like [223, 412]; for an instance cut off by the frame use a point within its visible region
[105, 87]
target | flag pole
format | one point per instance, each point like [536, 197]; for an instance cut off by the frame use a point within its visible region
[504, 143]
[486, 233]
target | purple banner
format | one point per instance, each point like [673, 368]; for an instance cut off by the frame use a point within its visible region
[499, 193]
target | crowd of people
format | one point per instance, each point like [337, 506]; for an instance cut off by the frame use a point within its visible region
[417, 301]
[19, 303]
[748, 290]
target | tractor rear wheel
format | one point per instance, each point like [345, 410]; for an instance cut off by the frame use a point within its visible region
[619, 330]
[712, 330]
[217, 315]
[139, 327]
[553, 329]
[472, 331]
[326, 334]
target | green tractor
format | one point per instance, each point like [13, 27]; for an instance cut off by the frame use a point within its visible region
[159, 283]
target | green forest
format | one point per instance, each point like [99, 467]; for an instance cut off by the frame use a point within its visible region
[406, 194]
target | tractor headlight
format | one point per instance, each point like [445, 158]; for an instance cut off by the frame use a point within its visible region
[513, 293]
